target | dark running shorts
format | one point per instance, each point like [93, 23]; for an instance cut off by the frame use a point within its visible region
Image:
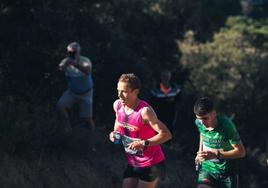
[215, 180]
[148, 174]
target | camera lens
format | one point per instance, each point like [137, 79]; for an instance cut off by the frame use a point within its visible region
[72, 54]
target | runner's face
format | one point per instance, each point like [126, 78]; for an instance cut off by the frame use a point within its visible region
[208, 120]
[125, 93]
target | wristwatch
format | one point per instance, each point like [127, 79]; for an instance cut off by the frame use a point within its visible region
[218, 155]
[146, 143]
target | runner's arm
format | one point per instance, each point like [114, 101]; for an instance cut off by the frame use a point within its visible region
[200, 143]
[238, 151]
[163, 134]
[111, 135]
[199, 158]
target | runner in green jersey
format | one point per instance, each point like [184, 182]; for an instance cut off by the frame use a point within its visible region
[219, 144]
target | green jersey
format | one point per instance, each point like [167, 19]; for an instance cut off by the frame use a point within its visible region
[218, 139]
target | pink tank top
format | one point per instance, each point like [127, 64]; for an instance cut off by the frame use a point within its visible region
[132, 127]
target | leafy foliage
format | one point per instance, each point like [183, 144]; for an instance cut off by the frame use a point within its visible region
[231, 67]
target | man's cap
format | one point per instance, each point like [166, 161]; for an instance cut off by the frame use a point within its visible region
[74, 47]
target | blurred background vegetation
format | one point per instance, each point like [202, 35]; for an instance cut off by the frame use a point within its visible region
[213, 47]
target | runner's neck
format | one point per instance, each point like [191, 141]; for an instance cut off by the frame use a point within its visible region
[130, 108]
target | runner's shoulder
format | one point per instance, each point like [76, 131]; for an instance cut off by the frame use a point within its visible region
[224, 120]
[115, 104]
[148, 113]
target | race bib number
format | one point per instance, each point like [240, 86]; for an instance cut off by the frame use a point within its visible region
[126, 140]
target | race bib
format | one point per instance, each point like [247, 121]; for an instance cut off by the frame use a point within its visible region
[126, 140]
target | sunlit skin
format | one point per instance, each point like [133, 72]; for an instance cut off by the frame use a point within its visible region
[209, 120]
[127, 95]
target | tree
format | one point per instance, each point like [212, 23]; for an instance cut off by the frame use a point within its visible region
[232, 67]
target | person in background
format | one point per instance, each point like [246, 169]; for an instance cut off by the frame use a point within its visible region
[219, 145]
[78, 72]
[165, 98]
[141, 134]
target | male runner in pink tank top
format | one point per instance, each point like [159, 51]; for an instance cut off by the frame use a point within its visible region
[141, 133]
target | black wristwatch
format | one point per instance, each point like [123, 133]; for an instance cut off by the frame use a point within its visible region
[146, 143]
[219, 155]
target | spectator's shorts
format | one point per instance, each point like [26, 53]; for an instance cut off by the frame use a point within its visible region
[85, 102]
[148, 174]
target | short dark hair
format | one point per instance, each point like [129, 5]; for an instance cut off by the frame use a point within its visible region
[203, 106]
[130, 78]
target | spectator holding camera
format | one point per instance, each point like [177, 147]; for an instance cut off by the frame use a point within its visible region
[78, 71]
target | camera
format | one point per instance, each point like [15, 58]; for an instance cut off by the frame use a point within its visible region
[72, 54]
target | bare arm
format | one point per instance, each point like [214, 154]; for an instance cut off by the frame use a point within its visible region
[163, 134]
[111, 135]
[63, 64]
[238, 151]
[85, 67]
[199, 158]
[200, 143]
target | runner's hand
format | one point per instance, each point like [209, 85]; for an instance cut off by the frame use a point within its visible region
[198, 158]
[206, 155]
[136, 145]
[111, 136]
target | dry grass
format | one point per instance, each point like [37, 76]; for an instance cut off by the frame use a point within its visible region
[50, 173]
[69, 173]
[102, 169]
